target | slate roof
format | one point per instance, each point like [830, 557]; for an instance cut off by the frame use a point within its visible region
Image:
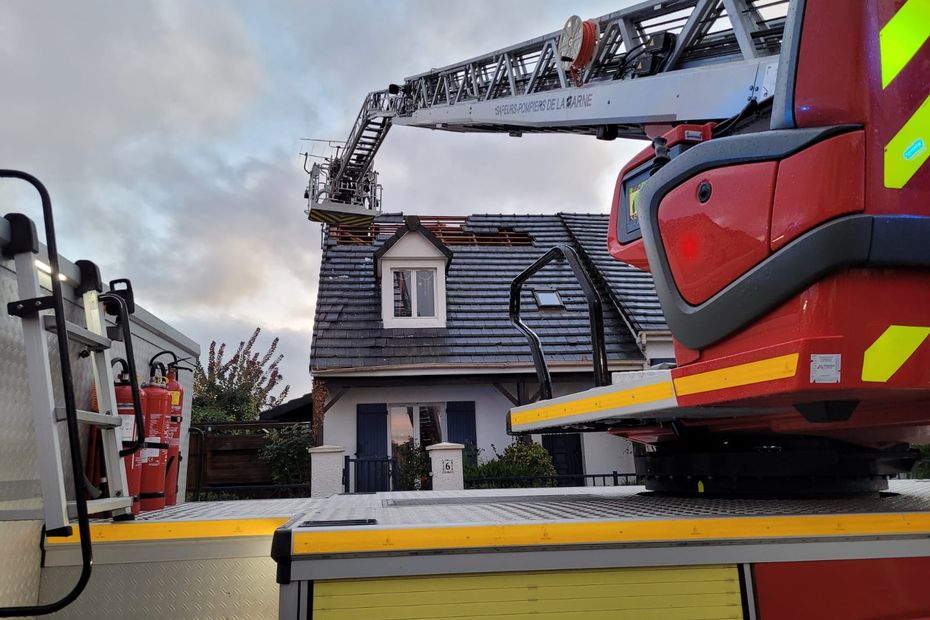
[632, 290]
[348, 331]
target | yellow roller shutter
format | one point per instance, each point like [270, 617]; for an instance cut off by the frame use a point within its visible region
[673, 593]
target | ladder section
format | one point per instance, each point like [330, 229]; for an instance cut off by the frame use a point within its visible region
[37, 312]
[654, 62]
[344, 188]
[119, 500]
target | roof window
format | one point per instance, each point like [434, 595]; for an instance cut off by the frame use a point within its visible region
[548, 299]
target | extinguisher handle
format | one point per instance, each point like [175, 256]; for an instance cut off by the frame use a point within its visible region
[158, 366]
[122, 362]
[130, 366]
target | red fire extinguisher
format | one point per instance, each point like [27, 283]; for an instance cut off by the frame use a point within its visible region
[174, 436]
[156, 409]
[132, 438]
[174, 425]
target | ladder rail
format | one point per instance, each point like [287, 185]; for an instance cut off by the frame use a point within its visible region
[67, 380]
[117, 485]
[708, 32]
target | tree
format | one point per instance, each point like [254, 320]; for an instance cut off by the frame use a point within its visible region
[237, 389]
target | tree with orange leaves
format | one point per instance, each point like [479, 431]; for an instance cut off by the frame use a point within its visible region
[237, 389]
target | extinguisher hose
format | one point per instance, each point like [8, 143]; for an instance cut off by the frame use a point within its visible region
[174, 358]
[130, 362]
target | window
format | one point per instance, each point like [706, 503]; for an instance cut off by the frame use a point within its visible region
[418, 423]
[414, 293]
[548, 299]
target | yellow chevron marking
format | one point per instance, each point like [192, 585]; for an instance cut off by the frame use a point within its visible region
[909, 149]
[890, 350]
[902, 37]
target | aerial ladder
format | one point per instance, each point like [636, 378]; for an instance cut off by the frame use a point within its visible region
[783, 209]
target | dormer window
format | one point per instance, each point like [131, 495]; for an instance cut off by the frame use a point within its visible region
[412, 272]
[414, 293]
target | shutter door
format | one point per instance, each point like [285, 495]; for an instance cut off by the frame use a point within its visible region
[664, 593]
[460, 416]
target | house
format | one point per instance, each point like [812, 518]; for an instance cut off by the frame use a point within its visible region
[412, 338]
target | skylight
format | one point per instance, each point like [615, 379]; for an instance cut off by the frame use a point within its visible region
[548, 299]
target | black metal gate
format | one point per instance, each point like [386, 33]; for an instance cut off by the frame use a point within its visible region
[369, 474]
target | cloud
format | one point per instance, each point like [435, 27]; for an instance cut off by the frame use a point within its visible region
[168, 134]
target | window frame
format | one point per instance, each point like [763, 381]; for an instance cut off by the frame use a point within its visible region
[386, 271]
[440, 420]
[414, 287]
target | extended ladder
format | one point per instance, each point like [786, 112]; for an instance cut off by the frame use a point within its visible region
[656, 62]
[38, 312]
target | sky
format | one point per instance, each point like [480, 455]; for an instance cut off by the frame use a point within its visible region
[169, 134]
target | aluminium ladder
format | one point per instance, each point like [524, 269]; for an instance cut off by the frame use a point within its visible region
[33, 308]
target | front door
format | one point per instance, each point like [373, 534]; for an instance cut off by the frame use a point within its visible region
[565, 451]
[460, 416]
[372, 467]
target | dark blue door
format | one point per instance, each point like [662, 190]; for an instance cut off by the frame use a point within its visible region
[460, 417]
[566, 457]
[372, 467]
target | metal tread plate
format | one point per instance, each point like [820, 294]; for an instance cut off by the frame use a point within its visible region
[505, 506]
[548, 529]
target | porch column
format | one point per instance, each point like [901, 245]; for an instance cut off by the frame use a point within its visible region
[326, 464]
[446, 461]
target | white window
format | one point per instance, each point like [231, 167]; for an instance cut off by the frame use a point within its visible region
[414, 293]
[412, 276]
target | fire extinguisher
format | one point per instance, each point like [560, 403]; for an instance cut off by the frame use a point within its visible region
[129, 399]
[174, 425]
[156, 409]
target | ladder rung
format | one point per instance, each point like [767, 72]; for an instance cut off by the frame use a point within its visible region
[91, 417]
[80, 334]
[105, 504]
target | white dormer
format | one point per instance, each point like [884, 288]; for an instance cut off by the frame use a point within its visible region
[412, 271]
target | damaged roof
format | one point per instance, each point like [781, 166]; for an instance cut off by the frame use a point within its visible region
[487, 252]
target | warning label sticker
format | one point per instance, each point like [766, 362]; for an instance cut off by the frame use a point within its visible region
[825, 368]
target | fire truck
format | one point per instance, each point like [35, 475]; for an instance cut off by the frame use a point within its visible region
[782, 206]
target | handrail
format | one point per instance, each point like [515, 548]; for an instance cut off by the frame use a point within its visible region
[130, 362]
[595, 317]
[377, 103]
[67, 383]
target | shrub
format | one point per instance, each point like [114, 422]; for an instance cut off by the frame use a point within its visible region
[519, 460]
[413, 467]
[287, 454]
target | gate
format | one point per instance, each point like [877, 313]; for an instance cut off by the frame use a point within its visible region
[369, 474]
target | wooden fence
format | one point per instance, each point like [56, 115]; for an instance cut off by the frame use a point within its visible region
[223, 462]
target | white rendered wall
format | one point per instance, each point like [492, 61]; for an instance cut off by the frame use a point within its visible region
[602, 453]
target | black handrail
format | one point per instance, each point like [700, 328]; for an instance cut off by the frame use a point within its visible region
[130, 367]
[595, 316]
[67, 383]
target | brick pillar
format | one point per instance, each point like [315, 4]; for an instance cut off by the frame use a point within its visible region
[446, 461]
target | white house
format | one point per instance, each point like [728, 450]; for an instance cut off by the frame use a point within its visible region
[413, 340]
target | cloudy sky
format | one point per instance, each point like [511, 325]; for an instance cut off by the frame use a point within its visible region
[169, 135]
